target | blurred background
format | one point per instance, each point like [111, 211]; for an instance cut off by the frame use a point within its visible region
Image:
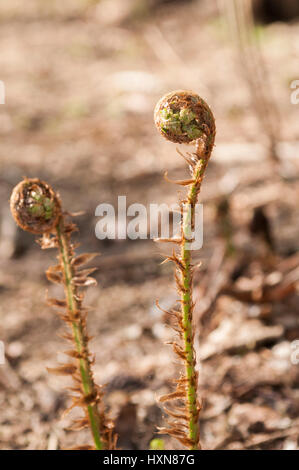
[82, 78]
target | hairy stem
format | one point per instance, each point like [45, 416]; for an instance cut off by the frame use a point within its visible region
[79, 336]
[186, 298]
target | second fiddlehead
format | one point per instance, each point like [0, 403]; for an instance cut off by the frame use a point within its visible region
[36, 208]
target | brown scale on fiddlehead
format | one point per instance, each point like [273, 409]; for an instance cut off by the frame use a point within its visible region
[37, 209]
[34, 206]
[184, 117]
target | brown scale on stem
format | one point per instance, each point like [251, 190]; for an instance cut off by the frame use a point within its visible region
[184, 117]
[37, 209]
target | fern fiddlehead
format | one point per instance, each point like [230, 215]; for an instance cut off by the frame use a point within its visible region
[184, 117]
[37, 208]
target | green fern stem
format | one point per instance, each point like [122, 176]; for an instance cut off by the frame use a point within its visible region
[88, 385]
[193, 406]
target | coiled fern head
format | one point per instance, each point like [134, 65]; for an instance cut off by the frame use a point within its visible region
[183, 117]
[35, 206]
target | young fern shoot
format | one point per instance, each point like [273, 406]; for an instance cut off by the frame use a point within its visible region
[36, 208]
[184, 117]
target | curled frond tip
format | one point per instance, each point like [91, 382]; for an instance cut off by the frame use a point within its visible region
[35, 206]
[183, 117]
